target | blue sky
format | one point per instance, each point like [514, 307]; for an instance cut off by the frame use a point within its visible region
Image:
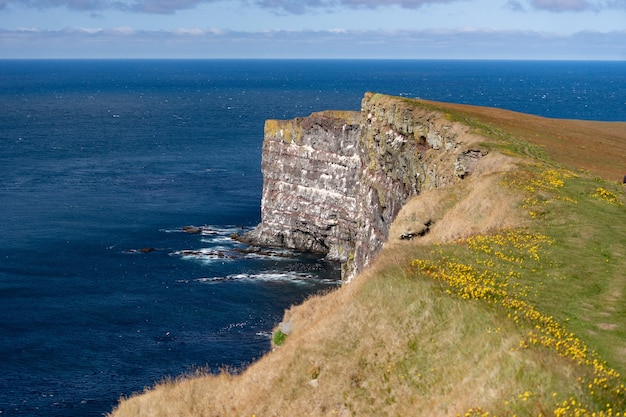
[404, 29]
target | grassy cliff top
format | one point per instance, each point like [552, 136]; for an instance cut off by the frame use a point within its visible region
[598, 147]
[522, 313]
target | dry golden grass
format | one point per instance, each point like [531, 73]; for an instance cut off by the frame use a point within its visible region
[477, 206]
[381, 346]
[393, 344]
[598, 147]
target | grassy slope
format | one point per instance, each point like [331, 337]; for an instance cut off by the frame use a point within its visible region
[505, 322]
[598, 147]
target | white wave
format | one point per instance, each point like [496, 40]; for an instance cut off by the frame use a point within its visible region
[210, 230]
[221, 249]
[200, 252]
[219, 239]
[208, 255]
[219, 231]
[271, 253]
[268, 276]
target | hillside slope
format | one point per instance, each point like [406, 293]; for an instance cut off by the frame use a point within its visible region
[598, 147]
[513, 302]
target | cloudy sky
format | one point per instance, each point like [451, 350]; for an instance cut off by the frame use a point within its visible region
[406, 29]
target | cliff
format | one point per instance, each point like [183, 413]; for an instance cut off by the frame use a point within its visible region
[511, 304]
[335, 181]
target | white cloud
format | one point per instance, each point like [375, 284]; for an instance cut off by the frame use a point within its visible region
[27, 29]
[172, 6]
[300, 7]
[123, 30]
[468, 43]
[216, 31]
[89, 30]
[189, 31]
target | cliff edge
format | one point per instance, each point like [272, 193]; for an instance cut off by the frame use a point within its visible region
[335, 181]
[512, 303]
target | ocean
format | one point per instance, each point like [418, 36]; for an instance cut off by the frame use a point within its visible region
[102, 165]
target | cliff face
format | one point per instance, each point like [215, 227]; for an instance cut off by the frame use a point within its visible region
[334, 181]
[310, 179]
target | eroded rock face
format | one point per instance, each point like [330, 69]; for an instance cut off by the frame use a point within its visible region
[334, 181]
[310, 172]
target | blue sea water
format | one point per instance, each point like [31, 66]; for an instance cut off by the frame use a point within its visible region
[101, 159]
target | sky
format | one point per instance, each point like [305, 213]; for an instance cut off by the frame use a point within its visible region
[347, 29]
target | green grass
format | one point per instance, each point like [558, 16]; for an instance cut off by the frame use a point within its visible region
[568, 289]
[278, 338]
[589, 268]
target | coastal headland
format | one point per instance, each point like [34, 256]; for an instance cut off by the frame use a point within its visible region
[483, 255]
